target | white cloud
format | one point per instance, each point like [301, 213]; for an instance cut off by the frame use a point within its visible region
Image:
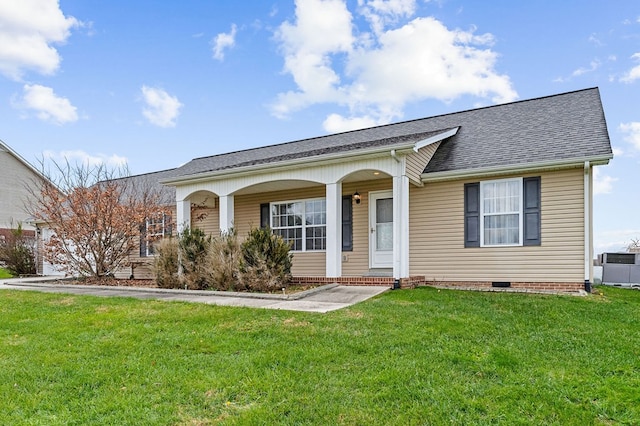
[335, 123]
[323, 27]
[161, 108]
[82, 157]
[47, 105]
[28, 31]
[631, 132]
[617, 152]
[376, 74]
[595, 40]
[223, 41]
[634, 73]
[602, 184]
[593, 65]
[381, 13]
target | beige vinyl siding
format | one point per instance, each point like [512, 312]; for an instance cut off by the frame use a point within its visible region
[417, 161]
[437, 236]
[309, 264]
[207, 220]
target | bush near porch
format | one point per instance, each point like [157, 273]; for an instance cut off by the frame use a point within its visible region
[262, 262]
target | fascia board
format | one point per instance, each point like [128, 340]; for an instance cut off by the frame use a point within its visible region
[435, 138]
[522, 168]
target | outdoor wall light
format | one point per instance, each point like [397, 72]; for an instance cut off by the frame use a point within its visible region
[357, 197]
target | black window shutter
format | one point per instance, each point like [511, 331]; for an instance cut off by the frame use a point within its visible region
[472, 214]
[168, 227]
[347, 223]
[143, 240]
[264, 215]
[531, 190]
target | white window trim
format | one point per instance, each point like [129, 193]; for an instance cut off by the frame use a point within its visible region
[520, 212]
[156, 235]
[303, 226]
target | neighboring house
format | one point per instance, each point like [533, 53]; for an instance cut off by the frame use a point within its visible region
[495, 196]
[16, 175]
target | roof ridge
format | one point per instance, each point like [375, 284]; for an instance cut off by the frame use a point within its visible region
[394, 124]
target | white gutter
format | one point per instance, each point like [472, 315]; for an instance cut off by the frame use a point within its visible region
[587, 226]
[524, 168]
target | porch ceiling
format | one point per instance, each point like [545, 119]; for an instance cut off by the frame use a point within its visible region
[284, 185]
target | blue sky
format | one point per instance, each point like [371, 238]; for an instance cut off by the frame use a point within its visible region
[157, 83]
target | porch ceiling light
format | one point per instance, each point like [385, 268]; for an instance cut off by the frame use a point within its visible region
[357, 197]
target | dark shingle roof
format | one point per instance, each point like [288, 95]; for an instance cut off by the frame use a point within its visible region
[151, 181]
[552, 128]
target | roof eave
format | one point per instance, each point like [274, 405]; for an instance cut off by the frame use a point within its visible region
[338, 157]
[516, 168]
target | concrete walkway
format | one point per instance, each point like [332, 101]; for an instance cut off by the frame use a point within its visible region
[321, 299]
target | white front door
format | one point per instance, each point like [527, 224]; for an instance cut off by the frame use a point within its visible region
[381, 229]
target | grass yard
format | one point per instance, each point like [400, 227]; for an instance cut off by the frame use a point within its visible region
[406, 357]
[5, 274]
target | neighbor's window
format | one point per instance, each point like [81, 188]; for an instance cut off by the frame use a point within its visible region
[156, 228]
[501, 212]
[303, 224]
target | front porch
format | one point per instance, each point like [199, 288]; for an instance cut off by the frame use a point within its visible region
[340, 229]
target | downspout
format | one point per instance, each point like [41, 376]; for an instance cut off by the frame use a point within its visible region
[587, 227]
[395, 156]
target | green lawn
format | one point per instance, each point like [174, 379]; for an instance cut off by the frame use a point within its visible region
[406, 357]
[5, 274]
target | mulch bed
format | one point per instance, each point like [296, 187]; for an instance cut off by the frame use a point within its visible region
[109, 282]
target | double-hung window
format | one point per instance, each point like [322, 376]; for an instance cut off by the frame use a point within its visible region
[505, 212]
[501, 212]
[155, 229]
[303, 224]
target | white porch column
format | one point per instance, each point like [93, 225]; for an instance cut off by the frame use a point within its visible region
[334, 230]
[183, 216]
[226, 212]
[400, 227]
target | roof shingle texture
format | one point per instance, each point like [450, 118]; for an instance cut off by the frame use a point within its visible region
[151, 182]
[553, 128]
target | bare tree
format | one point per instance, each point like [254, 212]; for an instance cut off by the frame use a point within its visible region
[634, 245]
[96, 214]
